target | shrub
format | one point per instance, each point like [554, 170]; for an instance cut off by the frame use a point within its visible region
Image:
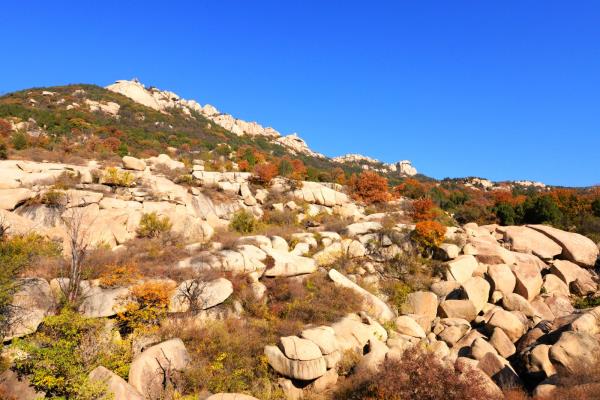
[299, 170]
[542, 209]
[119, 275]
[223, 360]
[369, 187]
[397, 292]
[596, 207]
[317, 300]
[423, 209]
[417, 375]
[53, 198]
[19, 141]
[243, 222]
[338, 176]
[153, 226]
[60, 355]
[5, 127]
[428, 235]
[3, 152]
[16, 254]
[112, 176]
[582, 303]
[285, 167]
[150, 302]
[264, 173]
[350, 358]
[506, 214]
[281, 218]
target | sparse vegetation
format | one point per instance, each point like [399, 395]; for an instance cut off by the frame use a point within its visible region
[152, 225]
[243, 222]
[417, 375]
[113, 176]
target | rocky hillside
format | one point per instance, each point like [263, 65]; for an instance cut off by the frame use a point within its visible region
[134, 119]
[154, 248]
[144, 281]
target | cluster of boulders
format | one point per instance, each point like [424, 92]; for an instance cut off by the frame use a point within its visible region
[504, 307]
[504, 311]
[115, 211]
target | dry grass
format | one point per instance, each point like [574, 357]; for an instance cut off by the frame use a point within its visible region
[314, 300]
[418, 375]
[223, 360]
[226, 237]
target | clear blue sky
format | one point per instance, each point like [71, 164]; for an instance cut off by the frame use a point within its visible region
[499, 89]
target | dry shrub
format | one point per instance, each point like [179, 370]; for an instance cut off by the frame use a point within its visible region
[418, 375]
[350, 358]
[369, 187]
[171, 174]
[217, 195]
[224, 360]
[285, 231]
[226, 237]
[45, 267]
[280, 218]
[316, 300]
[581, 384]
[413, 270]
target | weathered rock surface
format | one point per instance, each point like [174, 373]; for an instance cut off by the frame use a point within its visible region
[116, 386]
[146, 373]
[379, 308]
[574, 350]
[203, 294]
[461, 268]
[575, 247]
[527, 240]
[295, 369]
[31, 303]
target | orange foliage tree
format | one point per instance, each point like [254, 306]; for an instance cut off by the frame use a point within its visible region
[428, 235]
[411, 188]
[299, 170]
[423, 209]
[338, 176]
[5, 127]
[244, 166]
[369, 187]
[265, 172]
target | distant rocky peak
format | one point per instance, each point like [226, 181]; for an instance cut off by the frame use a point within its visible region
[403, 167]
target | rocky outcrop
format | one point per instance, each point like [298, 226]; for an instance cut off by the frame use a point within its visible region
[377, 306]
[200, 295]
[575, 247]
[293, 368]
[116, 386]
[32, 302]
[149, 370]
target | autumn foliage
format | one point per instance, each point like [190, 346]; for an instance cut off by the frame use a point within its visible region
[429, 234]
[265, 172]
[369, 187]
[423, 209]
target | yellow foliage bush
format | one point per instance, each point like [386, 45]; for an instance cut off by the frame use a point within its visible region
[112, 176]
[119, 275]
[149, 304]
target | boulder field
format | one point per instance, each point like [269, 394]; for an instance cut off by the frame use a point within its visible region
[503, 303]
